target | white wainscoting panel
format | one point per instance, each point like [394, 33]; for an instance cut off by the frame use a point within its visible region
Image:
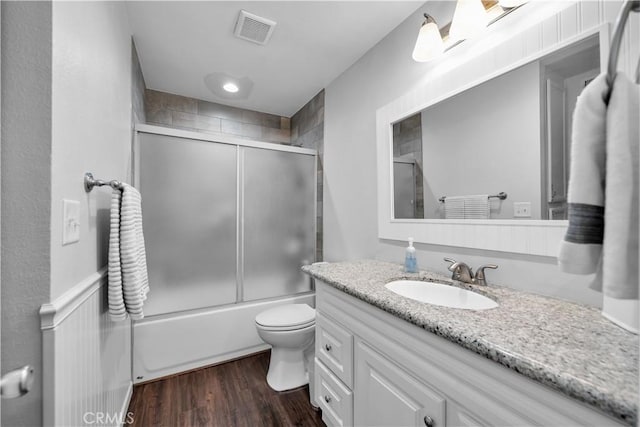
[533, 31]
[86, 358]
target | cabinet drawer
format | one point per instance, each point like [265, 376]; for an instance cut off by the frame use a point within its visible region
[335, 400]
[334, 347]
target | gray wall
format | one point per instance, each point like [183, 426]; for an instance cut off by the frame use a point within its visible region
[494, 145]
[26, 194]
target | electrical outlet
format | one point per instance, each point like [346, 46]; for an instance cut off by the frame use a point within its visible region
[70, 221]
[522, 209]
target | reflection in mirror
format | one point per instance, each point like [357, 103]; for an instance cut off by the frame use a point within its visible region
[509, 134]
[407, 168]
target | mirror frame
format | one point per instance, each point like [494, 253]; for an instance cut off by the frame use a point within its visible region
[532, 237]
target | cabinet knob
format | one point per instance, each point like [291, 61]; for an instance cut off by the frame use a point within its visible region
[327, 398]
[327, 347]
[428, 421]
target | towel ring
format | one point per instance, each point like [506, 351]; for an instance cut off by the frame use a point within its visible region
[621, 20]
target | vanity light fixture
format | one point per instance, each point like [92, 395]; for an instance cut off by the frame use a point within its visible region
[508, 4]
[429, 44]
[469, 20]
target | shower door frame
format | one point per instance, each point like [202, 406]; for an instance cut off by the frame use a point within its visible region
[239, 143]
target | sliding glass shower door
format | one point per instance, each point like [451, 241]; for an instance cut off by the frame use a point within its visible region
[279, 216]
[189, 210]
[224, 223]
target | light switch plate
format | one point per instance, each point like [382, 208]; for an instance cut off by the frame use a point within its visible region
[522, 209]
[70, 221]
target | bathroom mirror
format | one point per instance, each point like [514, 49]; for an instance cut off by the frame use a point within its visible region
[498, 150]
[543, 41]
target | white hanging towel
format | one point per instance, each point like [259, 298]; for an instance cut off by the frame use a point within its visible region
[477, 207]
[454, 207]
[603, 238]
[620, 245]
[467, 207]
[128, 280]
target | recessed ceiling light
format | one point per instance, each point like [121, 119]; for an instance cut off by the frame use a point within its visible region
[227, 86]
[230, 87]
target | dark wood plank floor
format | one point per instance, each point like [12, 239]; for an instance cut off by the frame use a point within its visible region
[231, 394]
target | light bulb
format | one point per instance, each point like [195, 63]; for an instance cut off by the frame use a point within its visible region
[469, 20]
[230, 87]
[429, 43]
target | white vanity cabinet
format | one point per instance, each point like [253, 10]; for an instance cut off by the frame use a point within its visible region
[375, 369]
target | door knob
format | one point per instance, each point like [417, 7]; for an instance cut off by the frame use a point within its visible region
[16, 383]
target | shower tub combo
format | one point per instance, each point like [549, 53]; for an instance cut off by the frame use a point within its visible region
[228, 223]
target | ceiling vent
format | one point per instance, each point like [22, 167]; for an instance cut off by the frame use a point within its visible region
[254, 28]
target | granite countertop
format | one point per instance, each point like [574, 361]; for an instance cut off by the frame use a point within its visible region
[567, 346]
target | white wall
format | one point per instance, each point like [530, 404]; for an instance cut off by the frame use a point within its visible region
[91, 128]
[92, 132]
[383, 74]
[351, 101]
[484, 141]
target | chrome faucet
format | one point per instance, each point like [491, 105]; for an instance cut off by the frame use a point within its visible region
[463, 273]
[460, 271]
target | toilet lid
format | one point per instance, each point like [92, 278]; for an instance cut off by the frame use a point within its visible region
[289, 315]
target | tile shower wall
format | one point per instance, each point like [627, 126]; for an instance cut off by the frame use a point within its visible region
[203, 116]
[307, 130]
[407, 145]
[138, 88]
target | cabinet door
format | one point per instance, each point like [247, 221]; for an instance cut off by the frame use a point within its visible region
[385, 395]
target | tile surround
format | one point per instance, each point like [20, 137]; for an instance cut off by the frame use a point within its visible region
[307, 131]
[137, 87]
[181, 112]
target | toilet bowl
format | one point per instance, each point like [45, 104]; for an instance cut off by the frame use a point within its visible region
[290, 330]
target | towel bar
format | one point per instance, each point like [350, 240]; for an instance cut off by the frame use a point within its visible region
[90, 182]
[501, 195]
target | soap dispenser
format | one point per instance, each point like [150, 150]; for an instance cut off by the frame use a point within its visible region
[410, 262]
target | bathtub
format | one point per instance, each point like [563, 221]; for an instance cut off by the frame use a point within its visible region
[168, 344]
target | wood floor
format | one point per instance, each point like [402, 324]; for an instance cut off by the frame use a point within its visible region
[231, 394]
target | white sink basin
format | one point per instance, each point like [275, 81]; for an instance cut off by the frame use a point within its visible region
[441, 294]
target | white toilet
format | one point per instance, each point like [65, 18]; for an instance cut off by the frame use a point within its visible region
[290, 330]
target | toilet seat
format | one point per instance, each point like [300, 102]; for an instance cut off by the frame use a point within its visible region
[287, 317]
[285, 328]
